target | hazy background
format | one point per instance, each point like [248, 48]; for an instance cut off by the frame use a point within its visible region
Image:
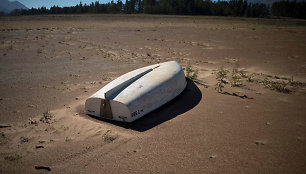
[60, 3]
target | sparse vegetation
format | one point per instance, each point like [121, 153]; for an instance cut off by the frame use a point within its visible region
[236, 78]
[3, 138]
[68, 139]
[191, 73]
[46, 118]
[250, 78]
[107, 137]
[24, 139]
[296, 83]
[12, 157]
[267, 82]
[277, 86]
[280, 86]
[243, 74]
[221, 76]
[273, 82]
[34, 122]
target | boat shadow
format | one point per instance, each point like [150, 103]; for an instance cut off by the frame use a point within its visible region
[184, 102]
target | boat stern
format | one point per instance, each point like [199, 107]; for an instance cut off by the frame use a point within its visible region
[108, 109]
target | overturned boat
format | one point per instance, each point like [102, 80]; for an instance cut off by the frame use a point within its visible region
[138, 92]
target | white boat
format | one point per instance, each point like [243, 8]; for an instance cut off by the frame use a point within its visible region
[138, 92]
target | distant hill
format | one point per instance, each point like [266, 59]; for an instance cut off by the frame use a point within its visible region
[7, 6]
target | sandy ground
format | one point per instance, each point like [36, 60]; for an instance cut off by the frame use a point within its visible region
[49, 65]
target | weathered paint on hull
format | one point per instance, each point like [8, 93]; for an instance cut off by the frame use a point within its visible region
[138, 92]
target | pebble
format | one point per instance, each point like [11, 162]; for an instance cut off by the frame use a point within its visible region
[259, 142]
[39, 146]
[24, 139]
[42, 167]
[300, 139]
[212, 156]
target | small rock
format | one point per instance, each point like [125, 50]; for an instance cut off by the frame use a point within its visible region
[42, 168]
[77, 98]
[32, 106]
[212, 156]
[33, 121]
[24, 139]
[268, 123]
[41, 141]
[259, 142]
[39, 146]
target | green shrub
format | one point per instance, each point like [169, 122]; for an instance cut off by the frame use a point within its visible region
[221, 76]
[191, 73]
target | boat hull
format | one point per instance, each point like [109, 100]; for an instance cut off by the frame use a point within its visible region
[138, 92]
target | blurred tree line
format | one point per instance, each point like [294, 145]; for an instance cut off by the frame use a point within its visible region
[180, 7]
[289, 9]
